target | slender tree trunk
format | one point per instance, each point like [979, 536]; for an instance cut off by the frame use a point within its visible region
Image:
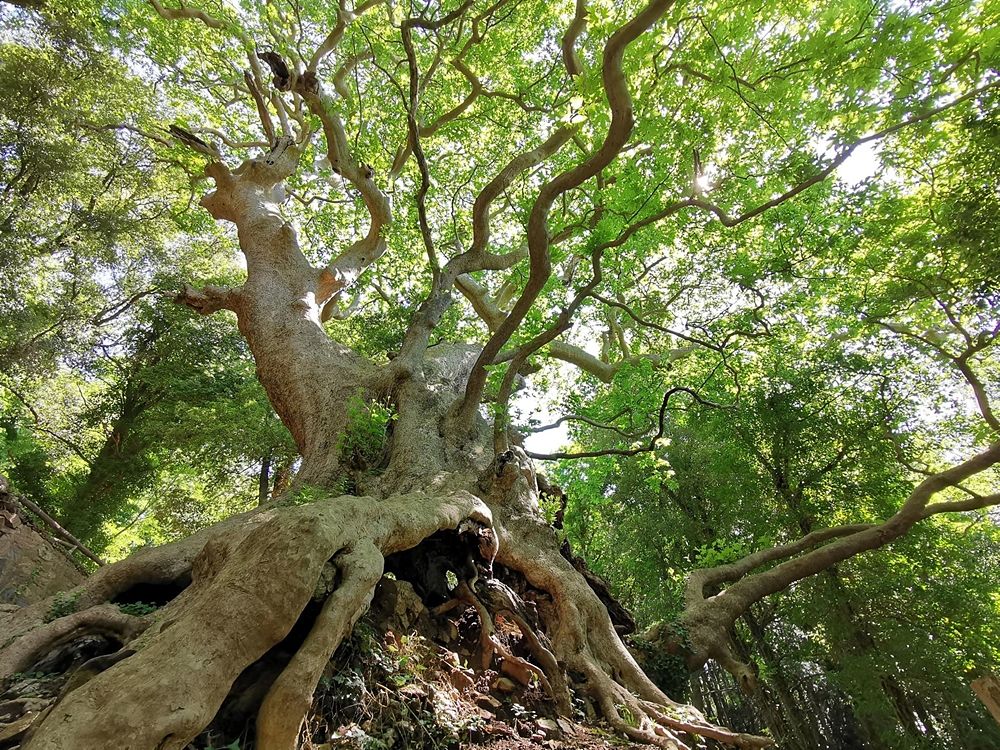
[264, 480]
[803, 732]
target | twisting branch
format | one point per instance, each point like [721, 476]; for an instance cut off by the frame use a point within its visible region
[705, 579]
[491, 314]
[564, 319]
[710, 617]
[477, 257]
[458, 63]
[571, 59]
[413, 129]
[344, 269]
[540, 264]
[651, 445]
[959, 361]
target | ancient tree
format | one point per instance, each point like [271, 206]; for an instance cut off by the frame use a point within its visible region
[513, 160]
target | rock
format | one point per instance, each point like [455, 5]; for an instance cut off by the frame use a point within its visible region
[396, 606]
[12, 709]
[488, 702]
[566, 726]
[516, 671]
[31, 569]
[414, 690]
[504, 685]
[460, 680]
[549, 728]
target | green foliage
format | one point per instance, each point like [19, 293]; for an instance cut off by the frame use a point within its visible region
[669, 671]
[305, 495]
[138, 609]
[363, 442]
[64, 603]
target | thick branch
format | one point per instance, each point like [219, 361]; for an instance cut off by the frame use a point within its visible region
[709, 619]
[571, 59]
[209, 299]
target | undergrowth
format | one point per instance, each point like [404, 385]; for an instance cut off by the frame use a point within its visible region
[389, 692]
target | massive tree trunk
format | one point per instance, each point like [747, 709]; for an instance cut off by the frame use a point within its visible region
[235, 590]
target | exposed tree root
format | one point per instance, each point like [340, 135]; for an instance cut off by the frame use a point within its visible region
[243, 600]
[105, 619]
[279, 721]
[512, 663]
[704, 729]
[582, 634]
[502, 601]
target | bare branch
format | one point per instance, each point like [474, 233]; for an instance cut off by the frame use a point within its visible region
[606, 371]
[130, 128]
[109, 313]
[651, 446]
[186, 13]
[732, 221]
[6, 494]
[705, 578]
[40, 426]
[635, 435]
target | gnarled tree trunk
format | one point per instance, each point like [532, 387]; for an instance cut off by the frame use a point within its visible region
[244, 583]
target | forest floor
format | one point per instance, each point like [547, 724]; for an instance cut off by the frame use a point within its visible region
[405, 679]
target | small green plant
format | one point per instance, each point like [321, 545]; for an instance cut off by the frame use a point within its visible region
[363, 442]
[19, 676]
[138, 609]
[64, 603]
[666, 668]
[305, 495]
